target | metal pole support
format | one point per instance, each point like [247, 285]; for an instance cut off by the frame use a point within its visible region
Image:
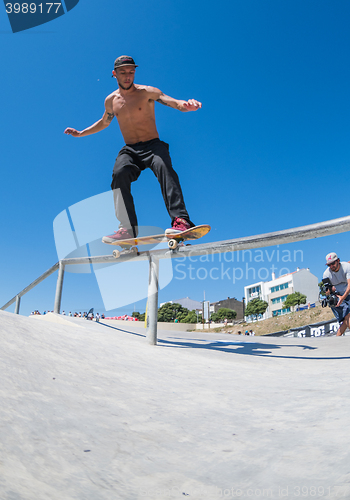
[18, 303]
[58, 297]
[153, 287]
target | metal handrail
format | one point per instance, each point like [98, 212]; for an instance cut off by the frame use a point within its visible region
[301, 233]
[25, 290]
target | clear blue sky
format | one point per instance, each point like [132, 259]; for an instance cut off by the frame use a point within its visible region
[269, 150]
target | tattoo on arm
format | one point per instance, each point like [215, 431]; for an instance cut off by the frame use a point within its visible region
[163, 102]
[110, 117]
[174, 104]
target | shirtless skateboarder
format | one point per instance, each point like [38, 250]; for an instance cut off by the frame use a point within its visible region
[133, 105]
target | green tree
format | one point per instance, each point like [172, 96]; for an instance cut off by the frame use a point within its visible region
[137, 315]
[191, 317]
[223, 313]
[321, 289]
[169, 312]
[294, 299]
[255, 307]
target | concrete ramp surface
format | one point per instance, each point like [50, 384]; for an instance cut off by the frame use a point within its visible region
[92, 412]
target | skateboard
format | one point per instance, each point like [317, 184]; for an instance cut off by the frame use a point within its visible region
[129, 246]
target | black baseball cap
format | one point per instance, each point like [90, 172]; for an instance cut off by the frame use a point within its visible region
[124, 61]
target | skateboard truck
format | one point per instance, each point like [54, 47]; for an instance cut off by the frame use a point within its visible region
[127, 251]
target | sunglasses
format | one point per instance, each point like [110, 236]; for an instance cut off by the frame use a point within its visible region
[332, 264]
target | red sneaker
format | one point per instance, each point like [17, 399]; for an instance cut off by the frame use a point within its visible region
[179, 225]
[122, 234]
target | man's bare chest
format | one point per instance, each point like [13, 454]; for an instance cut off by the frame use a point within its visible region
[135, 105]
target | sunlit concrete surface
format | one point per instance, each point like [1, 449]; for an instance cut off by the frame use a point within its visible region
[94, 412]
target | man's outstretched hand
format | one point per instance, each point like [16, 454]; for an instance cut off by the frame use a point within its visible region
[192, 105]
[72, 131]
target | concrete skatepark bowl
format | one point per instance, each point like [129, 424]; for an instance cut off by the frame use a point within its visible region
[91, 411]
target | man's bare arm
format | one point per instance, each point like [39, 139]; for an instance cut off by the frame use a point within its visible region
[345, 294]
[101, 124]
[159, 96]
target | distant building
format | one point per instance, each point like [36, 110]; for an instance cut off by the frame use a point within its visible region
[233, 303]
[276, 291]
[186, 302]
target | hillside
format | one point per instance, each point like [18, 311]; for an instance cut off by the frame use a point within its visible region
[292, 320]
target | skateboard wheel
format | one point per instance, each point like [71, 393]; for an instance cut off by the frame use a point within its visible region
[172, 244]
[134, 249]
[116, 254]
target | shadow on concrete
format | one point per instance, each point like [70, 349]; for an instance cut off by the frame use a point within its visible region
[245, 348]
[230, 347]
[121, 329]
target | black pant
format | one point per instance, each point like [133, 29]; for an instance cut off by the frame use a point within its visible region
[131, 160]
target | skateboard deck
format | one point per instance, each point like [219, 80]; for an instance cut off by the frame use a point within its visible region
[173, 239]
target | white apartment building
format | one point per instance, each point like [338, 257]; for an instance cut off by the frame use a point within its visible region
[276, 291]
